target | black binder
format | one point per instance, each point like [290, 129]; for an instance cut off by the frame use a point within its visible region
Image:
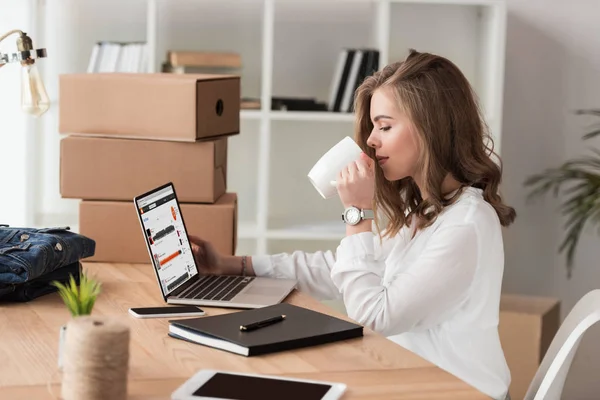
[345, 76]
[300, 328]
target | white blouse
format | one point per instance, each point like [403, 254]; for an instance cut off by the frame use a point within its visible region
[437, 294]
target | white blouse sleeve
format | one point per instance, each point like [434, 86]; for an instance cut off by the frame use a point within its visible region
[311, 270]
[423, 294]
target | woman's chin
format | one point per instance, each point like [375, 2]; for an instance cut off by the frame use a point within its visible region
[388, 176]
[392, 177]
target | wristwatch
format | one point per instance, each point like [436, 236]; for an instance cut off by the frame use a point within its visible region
[353, 215]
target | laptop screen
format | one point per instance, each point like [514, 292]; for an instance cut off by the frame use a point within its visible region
[167, 240]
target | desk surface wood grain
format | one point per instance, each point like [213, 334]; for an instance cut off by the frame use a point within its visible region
[372, 366]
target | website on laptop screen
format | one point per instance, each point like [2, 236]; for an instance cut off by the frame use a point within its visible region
[165, 233]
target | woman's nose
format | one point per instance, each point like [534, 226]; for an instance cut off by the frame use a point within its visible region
[371, 141]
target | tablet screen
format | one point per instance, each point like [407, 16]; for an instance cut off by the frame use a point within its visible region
[239, 387]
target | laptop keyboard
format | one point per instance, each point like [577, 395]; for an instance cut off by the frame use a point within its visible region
[217, 288]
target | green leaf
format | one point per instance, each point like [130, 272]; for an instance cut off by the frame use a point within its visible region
[80, 299]
[591, 134]
[595, 129]
[594, 112]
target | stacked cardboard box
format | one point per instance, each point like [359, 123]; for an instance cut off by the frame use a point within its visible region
[130, 133]
[528, 325]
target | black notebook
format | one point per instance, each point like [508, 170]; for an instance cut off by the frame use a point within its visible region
[301, 327]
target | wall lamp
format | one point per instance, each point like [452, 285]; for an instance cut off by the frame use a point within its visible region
[34, 99]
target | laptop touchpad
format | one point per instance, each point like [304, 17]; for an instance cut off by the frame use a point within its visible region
[263, 290]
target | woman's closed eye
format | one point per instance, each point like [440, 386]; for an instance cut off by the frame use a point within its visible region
[385, 128]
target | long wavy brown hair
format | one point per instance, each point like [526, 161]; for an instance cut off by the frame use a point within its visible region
[454, 139]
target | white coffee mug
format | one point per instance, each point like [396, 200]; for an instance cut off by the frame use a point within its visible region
[325, 172]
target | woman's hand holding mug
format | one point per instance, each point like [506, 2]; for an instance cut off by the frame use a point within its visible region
[356, 183]
[324, 173]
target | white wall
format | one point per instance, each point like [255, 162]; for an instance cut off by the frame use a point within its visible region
[17, 158]
[553, 68]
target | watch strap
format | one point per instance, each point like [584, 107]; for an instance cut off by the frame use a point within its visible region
[367, 214]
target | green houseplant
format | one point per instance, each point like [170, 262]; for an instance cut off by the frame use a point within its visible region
[79, 299]
[578, 180]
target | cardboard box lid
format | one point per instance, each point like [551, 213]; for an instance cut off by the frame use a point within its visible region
[156, 76]
[186, 107]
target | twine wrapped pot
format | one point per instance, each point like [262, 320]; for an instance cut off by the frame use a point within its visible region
[96, 359]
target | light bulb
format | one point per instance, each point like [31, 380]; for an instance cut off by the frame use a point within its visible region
[34, 99]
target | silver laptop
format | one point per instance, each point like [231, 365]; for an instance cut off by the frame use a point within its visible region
[171, 255]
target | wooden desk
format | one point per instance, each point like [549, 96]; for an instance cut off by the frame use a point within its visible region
[372, 366]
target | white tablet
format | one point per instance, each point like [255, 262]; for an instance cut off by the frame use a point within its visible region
[221, 385]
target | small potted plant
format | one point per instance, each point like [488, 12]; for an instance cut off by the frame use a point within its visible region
[78, 299]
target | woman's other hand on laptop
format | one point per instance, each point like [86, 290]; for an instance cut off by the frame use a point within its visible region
[208, 259]
[211, 262]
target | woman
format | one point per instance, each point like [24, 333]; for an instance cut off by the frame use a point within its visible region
[431, 281]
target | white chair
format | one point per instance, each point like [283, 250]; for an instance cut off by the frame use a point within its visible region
[548, 382]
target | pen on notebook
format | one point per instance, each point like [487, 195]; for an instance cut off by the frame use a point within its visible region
[262, 324]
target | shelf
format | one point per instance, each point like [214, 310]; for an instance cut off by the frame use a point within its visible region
[325, 231]
[452, 2]
[247, 230]
[250, 114]
[307, 233]
[322, 116]
[329, 230]
[310, 116]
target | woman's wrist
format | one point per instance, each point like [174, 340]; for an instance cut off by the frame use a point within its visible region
[234, 265]
[363, 226]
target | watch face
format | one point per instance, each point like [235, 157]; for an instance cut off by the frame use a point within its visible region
[353, 215]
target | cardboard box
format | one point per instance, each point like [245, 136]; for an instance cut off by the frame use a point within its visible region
[119, 169]
[115, 227]
[159, 106]
[527, 326]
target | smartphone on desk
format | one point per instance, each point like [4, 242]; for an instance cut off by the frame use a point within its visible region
[166, 312]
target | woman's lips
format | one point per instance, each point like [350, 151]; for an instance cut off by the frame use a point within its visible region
[382, 160]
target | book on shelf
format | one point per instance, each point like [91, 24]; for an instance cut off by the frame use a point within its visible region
[206, 62]
[279, 103]
[108, 56]
[352, 67]
[203, 59]
[300, 327]
[285, 104]
[250, 103]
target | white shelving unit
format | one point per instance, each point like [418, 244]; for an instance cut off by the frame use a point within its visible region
[290, 48]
